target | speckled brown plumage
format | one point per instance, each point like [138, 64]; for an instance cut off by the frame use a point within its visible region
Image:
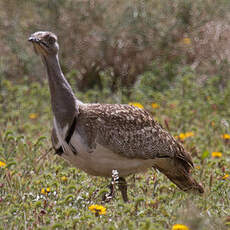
[129, 131]
[133, 133]
[100, 138]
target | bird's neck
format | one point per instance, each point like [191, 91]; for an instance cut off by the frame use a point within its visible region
[63, 100]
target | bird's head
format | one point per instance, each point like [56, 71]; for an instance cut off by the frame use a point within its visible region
[45, 43]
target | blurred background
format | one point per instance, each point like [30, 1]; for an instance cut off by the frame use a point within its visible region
[170, 57]
[115, 44]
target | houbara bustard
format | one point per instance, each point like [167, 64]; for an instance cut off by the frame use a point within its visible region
[100, 138]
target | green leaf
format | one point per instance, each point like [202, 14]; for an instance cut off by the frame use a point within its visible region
[205, 154]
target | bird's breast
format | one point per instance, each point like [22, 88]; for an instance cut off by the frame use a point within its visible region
[100, 161]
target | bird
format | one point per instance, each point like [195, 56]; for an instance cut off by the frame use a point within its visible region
[104, 138]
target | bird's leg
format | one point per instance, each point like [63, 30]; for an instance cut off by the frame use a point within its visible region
[122, 185]
[109, 196]
[115, 179]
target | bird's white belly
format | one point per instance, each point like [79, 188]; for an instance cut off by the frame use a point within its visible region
[102, 161]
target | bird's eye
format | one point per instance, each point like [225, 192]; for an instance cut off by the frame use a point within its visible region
[51, 40]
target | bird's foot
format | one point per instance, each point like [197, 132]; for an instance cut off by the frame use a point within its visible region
[122, 185]
[107, 197]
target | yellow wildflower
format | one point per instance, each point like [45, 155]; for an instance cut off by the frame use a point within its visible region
[155, 106]
[182, 136]
[180, 227]
[197, 166]
[97, 209]
[216, 154]
[33, 116]
[2, 164]
[189, 134]
[187, 41]
[226, 176]
[225, 136]
[45, 191]
[64, 178]
[136, 104]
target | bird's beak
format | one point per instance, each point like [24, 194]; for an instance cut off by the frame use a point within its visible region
[37, 45]
[33, 39]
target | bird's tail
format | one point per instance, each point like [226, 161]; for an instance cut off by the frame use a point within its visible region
[179, 173]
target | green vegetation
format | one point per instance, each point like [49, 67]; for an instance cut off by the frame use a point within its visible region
[171, 57]
[188, 105]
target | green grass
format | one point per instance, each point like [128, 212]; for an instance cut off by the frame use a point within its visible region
[155, 203]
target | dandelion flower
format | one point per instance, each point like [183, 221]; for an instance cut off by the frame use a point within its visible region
[225, 136]
[216, 154]
[226, 176]
[45, 191]
[33, 116]
[182, 136]
[197, 167]
[64, 178]
[97, 209]
[2, 164]
[155, 106]
[180, 227]
[136, 104]
[187, 41]
[189, 134]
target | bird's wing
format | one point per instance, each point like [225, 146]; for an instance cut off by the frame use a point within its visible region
[129, 131]
[64, 144]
